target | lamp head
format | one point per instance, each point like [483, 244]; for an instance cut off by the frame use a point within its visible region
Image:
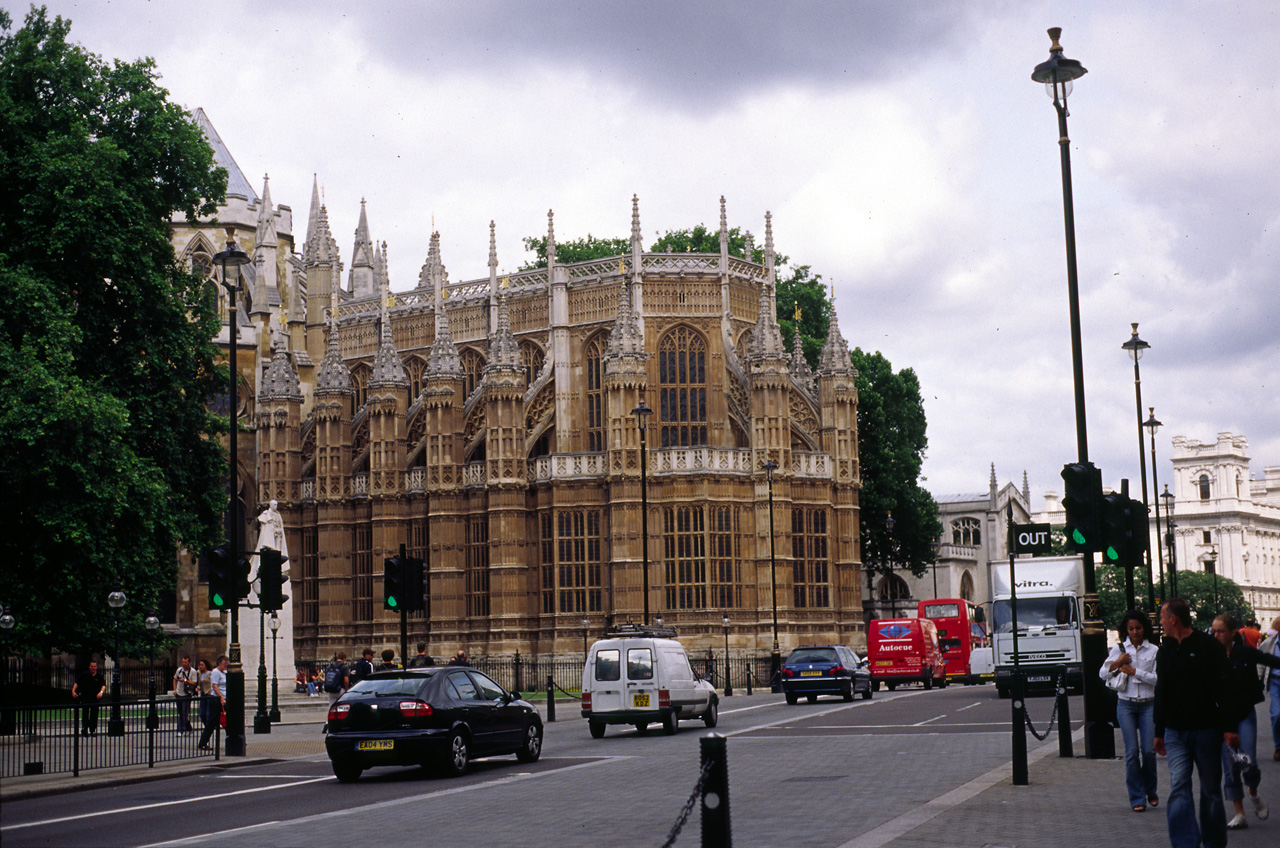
[1168, 500]
[274, 622]
[153, 622]
[1152, 425]
[230, 261]
[642, 412]
[1135, 345]
[1058, 72]
[725, 621]
[7, 621]
[117, 597]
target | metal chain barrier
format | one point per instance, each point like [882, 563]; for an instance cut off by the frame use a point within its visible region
[688, 805]
[1062, 682]
[566, 694]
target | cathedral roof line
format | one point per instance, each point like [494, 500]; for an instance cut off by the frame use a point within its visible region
[238, 184]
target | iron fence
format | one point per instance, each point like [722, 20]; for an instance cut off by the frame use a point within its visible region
[41, 675]
[51, 738]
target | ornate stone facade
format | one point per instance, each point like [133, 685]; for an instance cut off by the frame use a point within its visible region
[488, 427]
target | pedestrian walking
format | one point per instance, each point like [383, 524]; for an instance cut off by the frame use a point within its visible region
[337, 678]
[1134, 657]
[422, 660]
[363, 667]
[88, 689]
[204, 694]
[388, 660]
[186, 685]
[1271, 682]
[459, 658]
[217, 700]
[1240, 764]
[1192, 721]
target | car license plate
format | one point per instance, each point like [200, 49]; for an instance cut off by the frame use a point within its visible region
[640, 699]
[810, 674]
[376, 745]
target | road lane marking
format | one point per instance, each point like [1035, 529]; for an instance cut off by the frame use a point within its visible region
[292, 824]
[927, 812]
[926, 721]
[971, 706]
[793, 717]
[110, 811]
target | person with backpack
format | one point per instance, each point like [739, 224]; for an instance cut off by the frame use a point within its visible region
[337, 677]
[363, 667]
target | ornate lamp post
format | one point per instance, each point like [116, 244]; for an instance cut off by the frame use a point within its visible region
[586, 625]
[1169, 527]
[8, 719]
[1136, 347]
[1152, 425]
[231, 261]
[775, 657]
[274, 621]
[261, 718]
[728, 687]
[642, 413]
[115, 725]
[153, 630]
[1058, 74]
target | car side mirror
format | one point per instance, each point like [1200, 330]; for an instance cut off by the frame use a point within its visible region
[513, 696]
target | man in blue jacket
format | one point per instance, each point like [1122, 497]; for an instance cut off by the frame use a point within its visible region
[1193, 720]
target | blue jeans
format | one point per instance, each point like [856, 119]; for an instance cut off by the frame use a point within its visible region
[1232, 785]
[1201, 750]
[1137, 726]
[1275, 707]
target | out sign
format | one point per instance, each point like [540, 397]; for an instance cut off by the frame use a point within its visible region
[1031, 539]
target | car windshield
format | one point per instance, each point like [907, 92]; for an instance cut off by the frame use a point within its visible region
[812, 655]
[1035, 612]
[377, 687]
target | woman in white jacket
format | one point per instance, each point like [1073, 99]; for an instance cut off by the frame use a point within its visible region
[1135, 657]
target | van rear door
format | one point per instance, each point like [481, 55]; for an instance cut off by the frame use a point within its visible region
[604, 679]
[641, 692]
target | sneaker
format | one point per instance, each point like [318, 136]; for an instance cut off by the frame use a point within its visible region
[1259, 807]
[1237, 822]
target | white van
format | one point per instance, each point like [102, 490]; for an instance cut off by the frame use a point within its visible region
[640, 675]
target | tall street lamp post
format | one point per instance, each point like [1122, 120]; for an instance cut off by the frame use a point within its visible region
[889, 521]
[642, 413]
[153, 630]
[1058, 74]
[8, 718]
[775, 657]
[231, 261]
[586, 625]
[115, 725]
[1169, 527]
[1152, 426]
[1136, 347]
[274, 621]
[261, 718]
[728, 687]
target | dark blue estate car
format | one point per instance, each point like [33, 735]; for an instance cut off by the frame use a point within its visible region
[825, 670]
[430, 717]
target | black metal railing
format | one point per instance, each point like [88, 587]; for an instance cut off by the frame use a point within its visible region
[51, 738]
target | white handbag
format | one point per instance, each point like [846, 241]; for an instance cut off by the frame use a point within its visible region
[1118, 682]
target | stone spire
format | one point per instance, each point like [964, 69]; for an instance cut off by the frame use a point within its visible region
[333, 378]
[751, 246]
[388, 370]
[266, 236]
[551, 237]
[637, 241]
[320, 245]
[799, 367]
[362, 279]
[1026, 488]
[442, 358]
[281, 380]
[834, 358]
[724, 228]
[625, 339]
[504, 352]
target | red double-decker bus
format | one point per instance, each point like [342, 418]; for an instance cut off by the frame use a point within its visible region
[961, 631]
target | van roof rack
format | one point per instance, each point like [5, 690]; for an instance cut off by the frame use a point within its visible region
[631, 629]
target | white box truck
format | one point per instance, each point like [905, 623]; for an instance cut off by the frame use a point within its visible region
[1050, 612]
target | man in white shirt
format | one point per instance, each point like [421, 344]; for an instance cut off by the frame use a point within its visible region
[218, 686]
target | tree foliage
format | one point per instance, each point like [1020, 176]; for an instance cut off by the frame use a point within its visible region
[106, 359]
[1210, 597]
[891, 445]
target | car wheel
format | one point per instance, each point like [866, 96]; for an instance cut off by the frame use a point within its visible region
[792, 698]
[642, 727]
[346, 772]
[848, 696]
[866, 696]
[670, 723]
[928, 678]
[712, 716]
[813, 699]
[531, 749]
[596, 728]
[458, 755]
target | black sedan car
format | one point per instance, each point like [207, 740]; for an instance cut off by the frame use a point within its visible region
[825, 670]
[430, 717]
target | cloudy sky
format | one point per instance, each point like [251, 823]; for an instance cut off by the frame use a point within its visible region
[902, 148]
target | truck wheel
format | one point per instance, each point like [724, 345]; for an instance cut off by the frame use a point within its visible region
[928, 678]
[670, 723]
[1002, 691]
[891, 685]
[596, 728]
[875, 686]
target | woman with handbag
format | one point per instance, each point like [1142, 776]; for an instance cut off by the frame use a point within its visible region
[1239, 771]
[1130, 670]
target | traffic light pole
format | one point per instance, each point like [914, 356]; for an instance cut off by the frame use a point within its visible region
[404, 620]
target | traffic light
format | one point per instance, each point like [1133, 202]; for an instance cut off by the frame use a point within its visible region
[1115, 528]
[414, 585]
[1139, 529]
[271, 579]
[217, 564]
[1082, 500]
[242, 585]
[394, 595]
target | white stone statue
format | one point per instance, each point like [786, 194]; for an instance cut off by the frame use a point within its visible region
[270, 535]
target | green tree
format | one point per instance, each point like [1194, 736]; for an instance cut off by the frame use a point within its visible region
[1113, 594]
[891, 445]
[576, 250]
[106, 361]
[1209, 598]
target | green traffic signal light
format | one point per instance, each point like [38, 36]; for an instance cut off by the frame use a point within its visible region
[1082, 501]
[216, 563]
[393, 582]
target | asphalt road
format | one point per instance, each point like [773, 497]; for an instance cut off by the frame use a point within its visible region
[808, 775]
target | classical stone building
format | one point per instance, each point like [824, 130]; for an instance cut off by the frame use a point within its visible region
[490, 427]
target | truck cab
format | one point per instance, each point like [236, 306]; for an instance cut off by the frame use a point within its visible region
[641, 675]
[1049, 609]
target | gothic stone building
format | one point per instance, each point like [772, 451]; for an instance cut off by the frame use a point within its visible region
[489, 426]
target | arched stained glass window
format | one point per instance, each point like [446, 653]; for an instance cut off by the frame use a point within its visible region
[473, 368]
[682, 388]
[592, 353]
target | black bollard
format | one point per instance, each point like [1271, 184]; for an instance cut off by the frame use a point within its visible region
[715, 792]
[551, 699]
[1019, 703]
[749, 676]
[1064, 716]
